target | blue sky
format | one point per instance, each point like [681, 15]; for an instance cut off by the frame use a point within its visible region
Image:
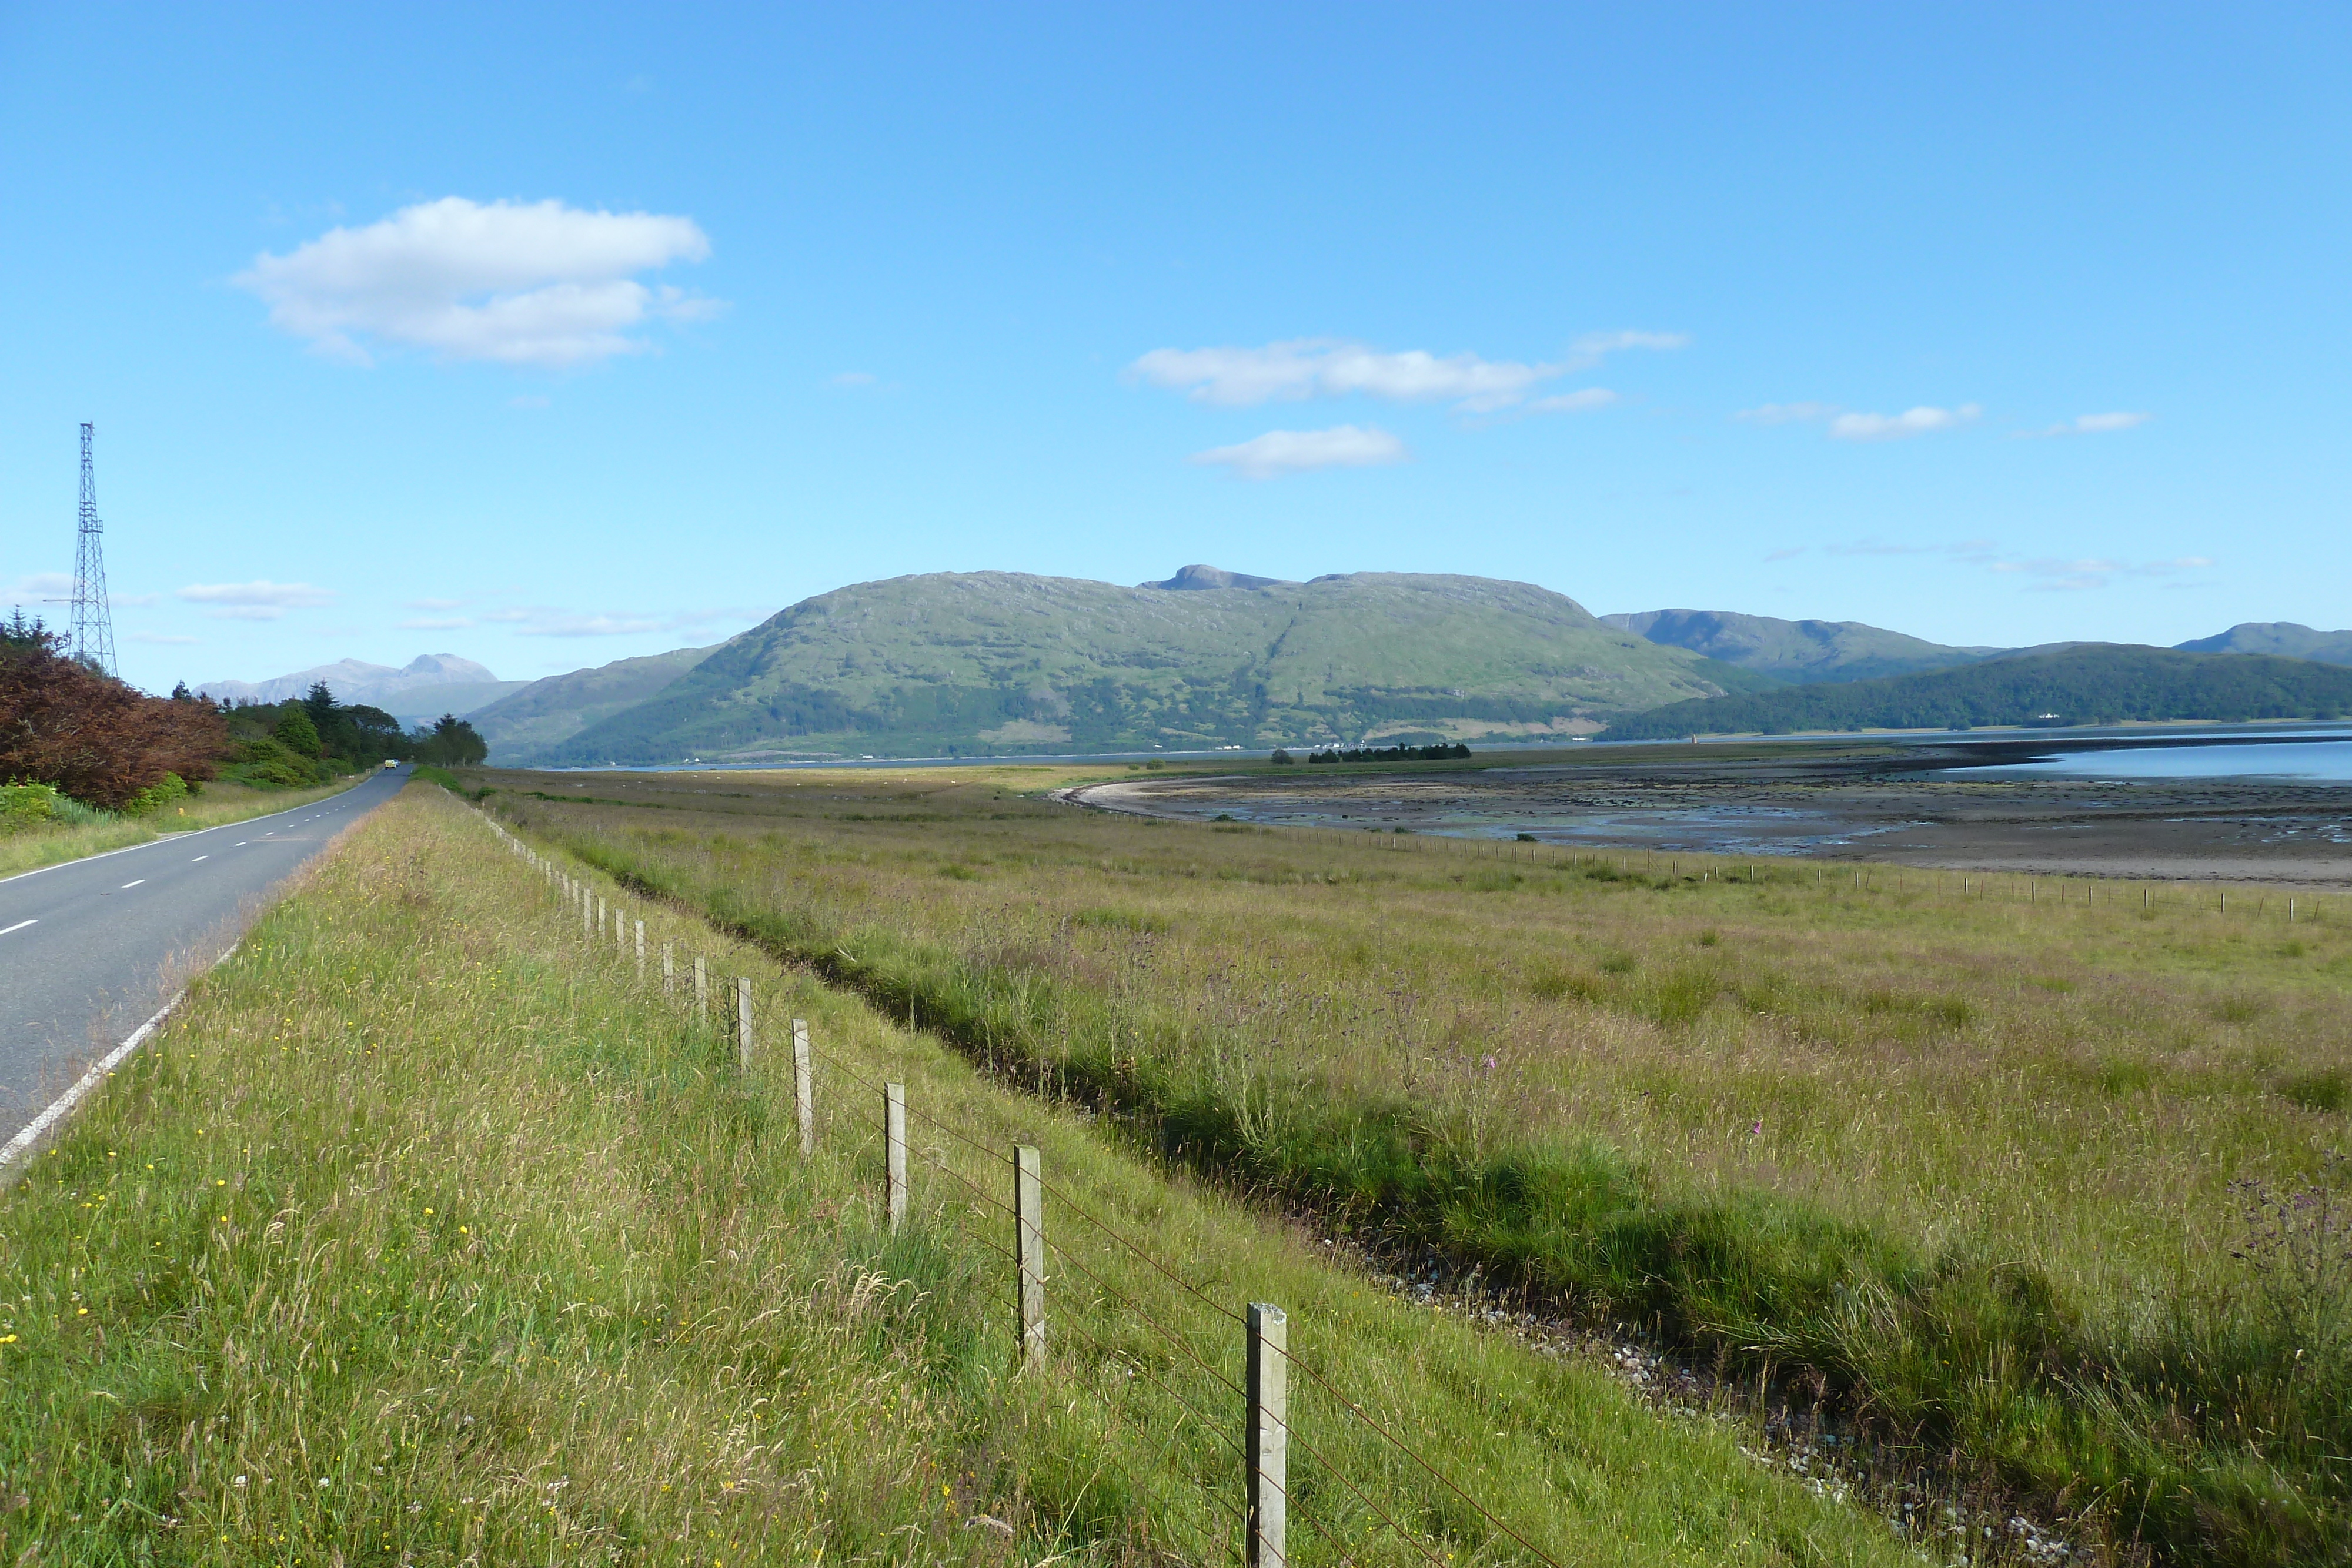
[547, 336]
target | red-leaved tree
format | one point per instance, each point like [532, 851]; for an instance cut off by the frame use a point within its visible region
[66, 724]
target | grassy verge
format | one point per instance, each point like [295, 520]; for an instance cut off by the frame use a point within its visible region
[429, 1235]
[2045, 1187]
[32, 848]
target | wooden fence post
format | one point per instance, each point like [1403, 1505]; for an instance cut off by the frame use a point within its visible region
[641, 952]
[804, 1086]
[1029, 1250]
[743, 1021]
[894, 1131]
[1268, 1455]
[701, 990]
[669, 967]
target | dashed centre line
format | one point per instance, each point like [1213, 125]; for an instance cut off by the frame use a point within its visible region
[200, 858]
[134, 883]
[18, 926]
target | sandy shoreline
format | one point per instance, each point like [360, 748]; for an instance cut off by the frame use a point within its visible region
[1837, 804]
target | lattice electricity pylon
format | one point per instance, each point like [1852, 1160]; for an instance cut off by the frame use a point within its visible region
[93, 622]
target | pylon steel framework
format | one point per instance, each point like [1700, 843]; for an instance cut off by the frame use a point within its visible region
[93, 622]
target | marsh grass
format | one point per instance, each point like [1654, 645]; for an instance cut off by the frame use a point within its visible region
[28, 848]
[426, 1235]
[1966, 1154]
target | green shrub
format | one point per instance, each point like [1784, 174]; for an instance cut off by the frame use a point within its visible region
[266, 763]
[26, 806]
[156, 796]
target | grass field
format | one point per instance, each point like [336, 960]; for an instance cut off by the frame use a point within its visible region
[431, 1234]
[30, 848]
[2052, 1188]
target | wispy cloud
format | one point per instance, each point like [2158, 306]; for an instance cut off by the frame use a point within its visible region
[2054, 575]
[535, 283]
[436, 604]
[1589, 350]
[1791, 553]
[1902, 426]
[1589, 400]
[260, 600]
[1280, 451]
[2090, 425]
[548, 621]
[36, 586]
[1786, 412]
[437, 624]
[1300, 367]
[855, 379]
[1845, 426]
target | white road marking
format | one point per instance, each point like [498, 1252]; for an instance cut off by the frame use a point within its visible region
[128, 885]
[93, 1078]
[18, 926]
[238, 845]
[200, 858]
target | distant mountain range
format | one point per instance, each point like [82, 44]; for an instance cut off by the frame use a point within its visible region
[2084, 682]
[545, 714]
[2281, 637]
[1798, 652]
[442, 683]
[1007, 664]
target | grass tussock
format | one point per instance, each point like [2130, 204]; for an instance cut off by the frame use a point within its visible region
[1978, 1164]
[431, 1234]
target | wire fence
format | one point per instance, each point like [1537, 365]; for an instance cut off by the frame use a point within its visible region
[1239, 1424]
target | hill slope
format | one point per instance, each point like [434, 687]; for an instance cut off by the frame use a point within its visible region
[2085, 684]
[1798, 653]
[2285, 638]
[1008, 662]
[526, 727]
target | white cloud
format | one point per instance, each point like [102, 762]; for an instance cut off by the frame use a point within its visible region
[855, 379]
[548, 621]
[259, 594]
[34, 587]
[1583, 402]
[536, 284]
[1589, 348]
[1901, 427]
[1279, 452]
[1786, 412]
[437, 624]
[160, 638]
[436, 604]
[1299, 368]
[2093, 425]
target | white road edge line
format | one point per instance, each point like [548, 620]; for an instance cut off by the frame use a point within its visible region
[134, 849]
[105, 1064]
[127, 887]
[20, 925]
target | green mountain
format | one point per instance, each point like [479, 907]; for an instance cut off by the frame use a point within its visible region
[1798, 653]
[2284, 638]
[2088, 683]
[528, 726]
[1007, 662]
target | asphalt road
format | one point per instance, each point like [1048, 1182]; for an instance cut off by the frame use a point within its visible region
[90, 948]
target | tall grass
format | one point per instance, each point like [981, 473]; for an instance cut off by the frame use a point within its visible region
[94, 833]
[429, 1234]
[1979, 1166]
